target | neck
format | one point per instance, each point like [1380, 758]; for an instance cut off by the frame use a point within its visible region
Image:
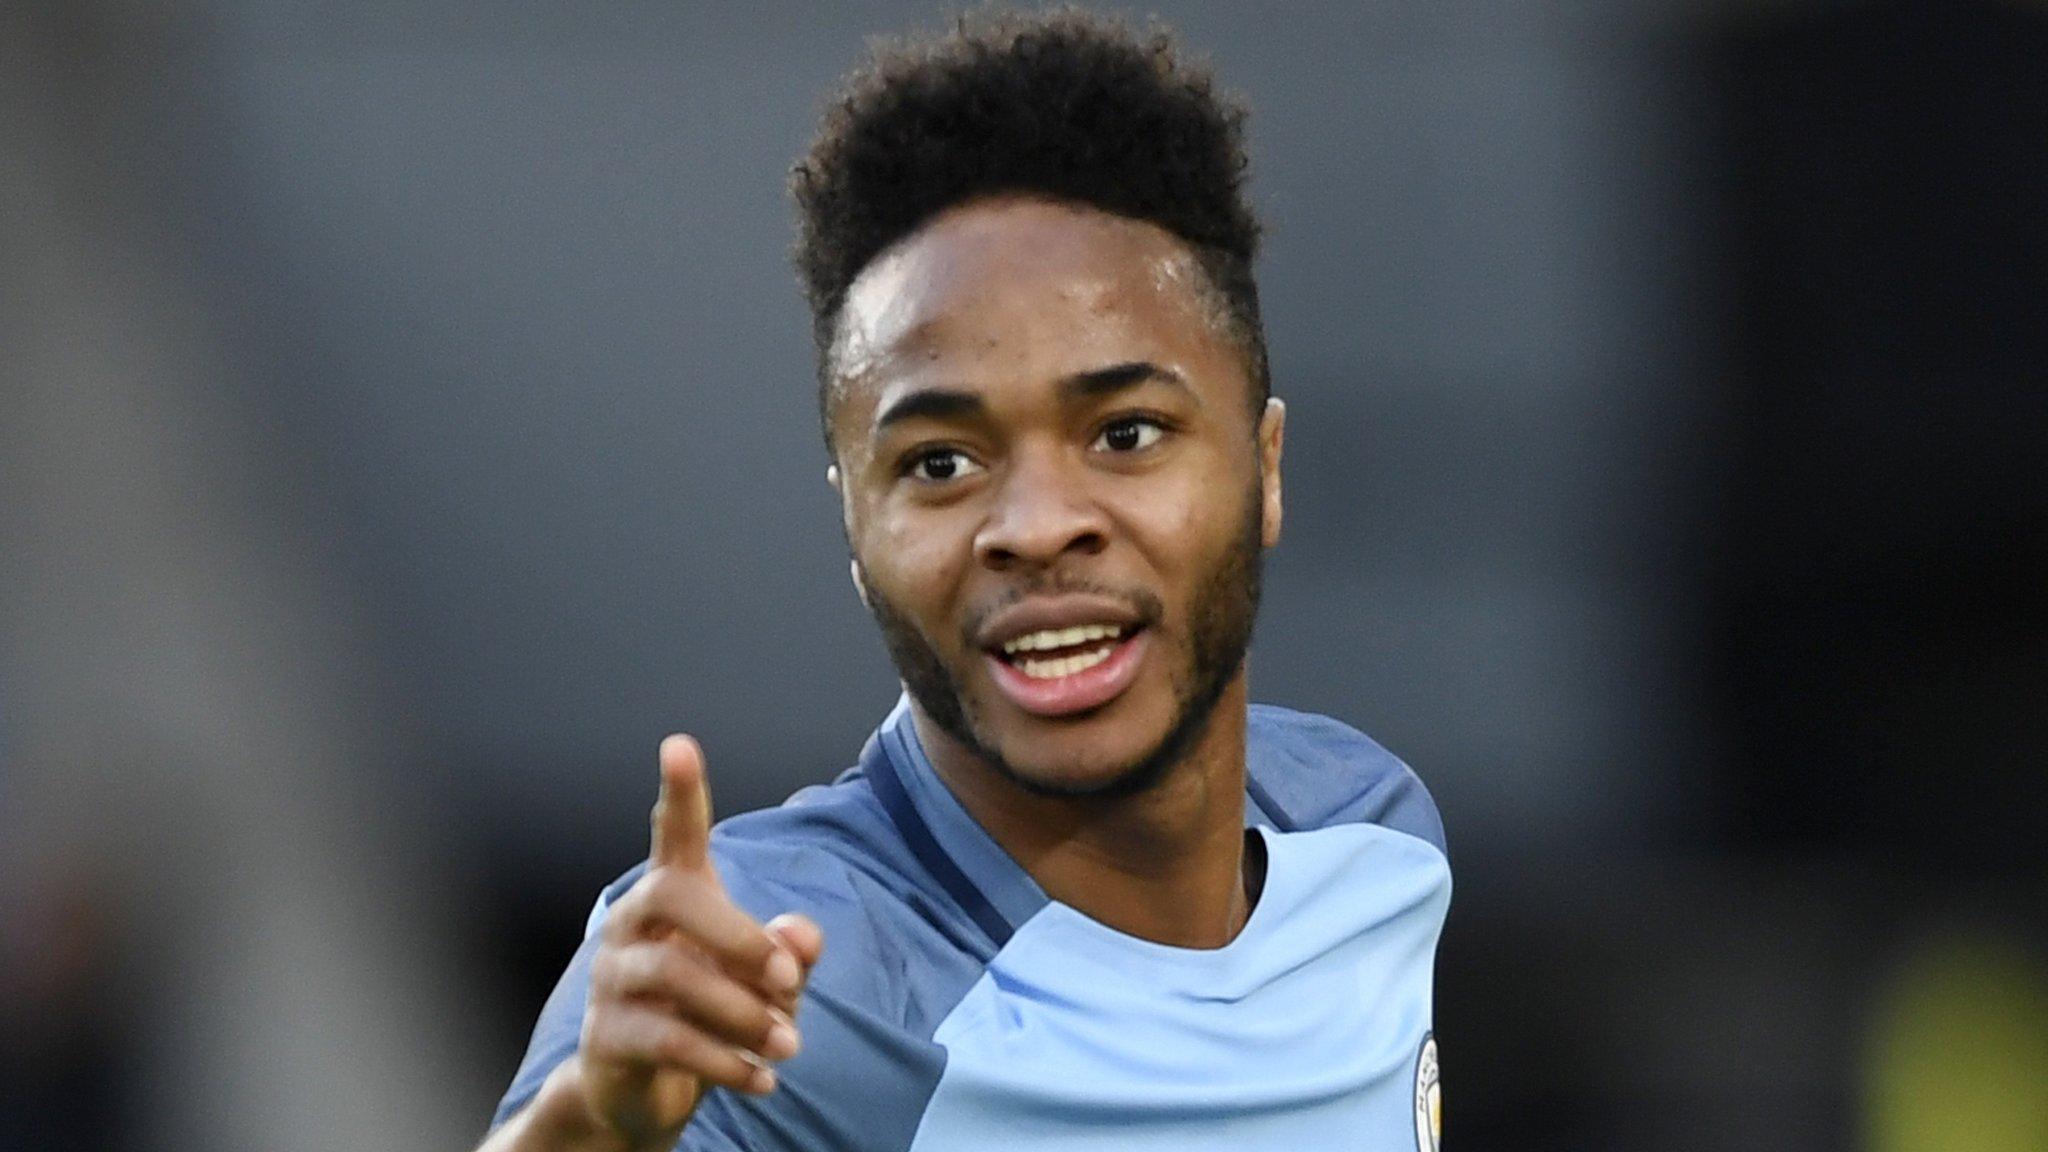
[1165, 864]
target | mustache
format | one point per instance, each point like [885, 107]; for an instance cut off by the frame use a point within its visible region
[1144, 604]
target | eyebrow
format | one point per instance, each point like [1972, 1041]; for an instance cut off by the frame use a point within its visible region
[1099, 382]
[951, 404]
[931, 404]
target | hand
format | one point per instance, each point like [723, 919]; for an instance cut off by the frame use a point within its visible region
[686, 990]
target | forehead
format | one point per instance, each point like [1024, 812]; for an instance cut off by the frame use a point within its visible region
[1025, 289]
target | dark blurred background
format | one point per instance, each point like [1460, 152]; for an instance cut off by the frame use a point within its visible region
[406, 419]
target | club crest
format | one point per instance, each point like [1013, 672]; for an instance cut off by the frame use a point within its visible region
[1429, 1098]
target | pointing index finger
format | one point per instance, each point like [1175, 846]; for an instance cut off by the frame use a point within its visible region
[682, 814]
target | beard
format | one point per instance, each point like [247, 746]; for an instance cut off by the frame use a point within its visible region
[1220, 619]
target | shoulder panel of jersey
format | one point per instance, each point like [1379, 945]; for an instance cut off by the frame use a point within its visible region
[1307, 771]
[917, 903]
[899, 952]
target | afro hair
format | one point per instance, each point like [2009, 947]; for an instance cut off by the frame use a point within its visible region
[1064, 104]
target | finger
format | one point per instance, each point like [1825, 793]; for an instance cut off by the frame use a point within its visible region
[800, 940]
[641, 1034]
[801, 935]
[694, 906]
[682, 814]
[703, 996]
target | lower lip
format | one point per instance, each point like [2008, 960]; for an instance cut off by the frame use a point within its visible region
[1082, 691]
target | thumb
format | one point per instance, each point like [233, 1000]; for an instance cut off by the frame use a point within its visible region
[801, 936]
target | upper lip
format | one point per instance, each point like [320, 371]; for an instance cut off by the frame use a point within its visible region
[1040, 613]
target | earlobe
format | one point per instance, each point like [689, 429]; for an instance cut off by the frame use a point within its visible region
[837, 480]
[860, 586]
[1272, 440]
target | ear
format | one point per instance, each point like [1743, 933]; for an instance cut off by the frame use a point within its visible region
[837, 480]
[1272, 439]
[860, 586]
[838, 484]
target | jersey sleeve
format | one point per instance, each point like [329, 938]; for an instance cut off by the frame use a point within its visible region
[554, 1034]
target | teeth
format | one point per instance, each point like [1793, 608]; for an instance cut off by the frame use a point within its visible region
[1062, 666]
[1061, 638]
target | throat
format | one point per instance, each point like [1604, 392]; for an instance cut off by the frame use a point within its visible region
[1172, 863]
[1201, 898]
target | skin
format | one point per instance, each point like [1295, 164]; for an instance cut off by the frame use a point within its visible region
[1004, 304]
[1157, 489]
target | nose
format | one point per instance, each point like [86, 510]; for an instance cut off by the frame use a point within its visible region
[1042, 511]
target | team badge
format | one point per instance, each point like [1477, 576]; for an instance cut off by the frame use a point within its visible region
[1429, 1098]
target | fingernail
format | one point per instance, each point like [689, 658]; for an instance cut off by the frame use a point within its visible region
[783, 974]
[762, 1082]
[782, 1042]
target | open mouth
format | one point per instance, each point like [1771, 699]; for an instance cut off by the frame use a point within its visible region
[1055, 652]
[1064, 671]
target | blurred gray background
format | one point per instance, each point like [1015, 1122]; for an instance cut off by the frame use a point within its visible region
[406, 418]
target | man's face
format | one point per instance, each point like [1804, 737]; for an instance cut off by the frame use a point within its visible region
[1054, 485]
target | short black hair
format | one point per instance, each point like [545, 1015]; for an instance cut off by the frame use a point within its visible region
[1065, 104]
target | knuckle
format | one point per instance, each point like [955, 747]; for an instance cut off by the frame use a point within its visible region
[621, 983]
[636, 1034]
[598, 1039]
[615, 972]
[677, 972]
[752, 1018]
[628, 915]
[735, 935]
[738, 1018]
[647, 889]
[653, 880]
[754, 945]
[723, 930]
[669, 888]
[604, 1021]
[620, 918]
[681, 1046]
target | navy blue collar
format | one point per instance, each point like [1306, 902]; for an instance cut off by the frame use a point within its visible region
[983, 879]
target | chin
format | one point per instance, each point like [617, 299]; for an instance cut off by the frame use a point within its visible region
[1069, 777]
[1113, 751]
[1084, 782]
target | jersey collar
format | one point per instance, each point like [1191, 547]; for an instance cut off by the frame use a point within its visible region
[986, 881]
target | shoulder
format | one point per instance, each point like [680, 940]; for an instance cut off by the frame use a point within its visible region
[1311, 771]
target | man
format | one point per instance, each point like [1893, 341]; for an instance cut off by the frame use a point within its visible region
[1078, 893]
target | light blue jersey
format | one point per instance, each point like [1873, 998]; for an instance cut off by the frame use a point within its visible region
[957, 1007]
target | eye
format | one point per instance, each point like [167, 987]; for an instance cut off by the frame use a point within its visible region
[939, 465]
[1129, 434]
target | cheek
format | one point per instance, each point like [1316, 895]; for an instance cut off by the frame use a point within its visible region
[917, 561]
[1181, 526]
